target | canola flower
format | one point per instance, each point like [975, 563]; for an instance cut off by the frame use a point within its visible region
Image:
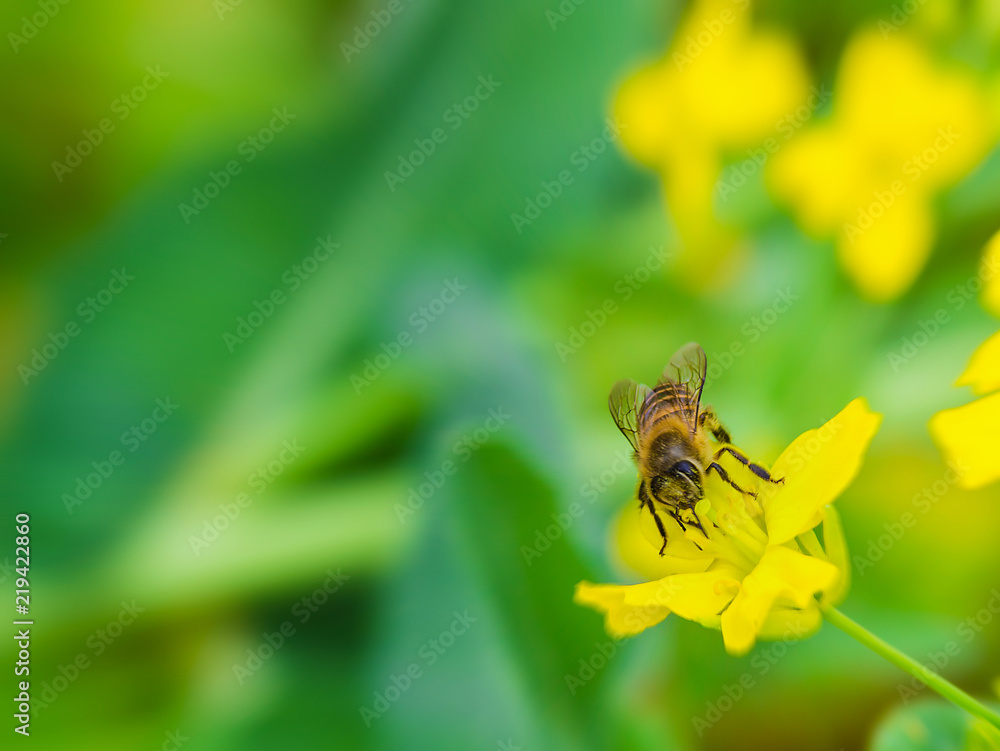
[903, 128]
[719, 89]
[967, 434]
[759, 570]
[762, 560]
[991, 280]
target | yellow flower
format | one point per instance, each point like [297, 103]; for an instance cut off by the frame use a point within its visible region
[902, 130]
[721, 88]
[967, 435]
[756, 570]
[988, 272]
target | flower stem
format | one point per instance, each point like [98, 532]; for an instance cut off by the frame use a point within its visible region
[933, 680]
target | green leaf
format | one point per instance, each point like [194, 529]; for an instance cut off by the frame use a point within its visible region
[933, 725]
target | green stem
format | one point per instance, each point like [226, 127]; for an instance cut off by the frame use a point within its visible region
[933, 680]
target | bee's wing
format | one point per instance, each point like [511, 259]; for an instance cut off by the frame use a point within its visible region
[625, 402]
[683, 381]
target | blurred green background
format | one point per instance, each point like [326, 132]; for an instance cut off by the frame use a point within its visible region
[320, 541]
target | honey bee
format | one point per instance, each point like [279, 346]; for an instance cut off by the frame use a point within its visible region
[669, 429]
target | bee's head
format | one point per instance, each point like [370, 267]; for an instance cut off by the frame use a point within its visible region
[680, 484]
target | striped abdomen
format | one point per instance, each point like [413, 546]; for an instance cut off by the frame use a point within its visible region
[669, 400]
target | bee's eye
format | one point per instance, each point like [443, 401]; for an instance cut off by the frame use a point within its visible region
[688, 470]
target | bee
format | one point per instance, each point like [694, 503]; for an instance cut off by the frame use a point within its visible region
[669, 430]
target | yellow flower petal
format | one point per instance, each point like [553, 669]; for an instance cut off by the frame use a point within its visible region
[791, 624]
[903, 127]
[836, 550]
[983, 371]
[717, 49]
[695, 597]
[818, 173]
[884, 243]
[755, 78]
[990, 263]
[643, 106]
[969, 439]
[678, 546]
[782, 573]
[896, 100]
[817, 467]
[638, 542]
[620, 619]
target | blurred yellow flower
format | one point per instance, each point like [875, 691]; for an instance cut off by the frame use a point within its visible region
[968, 435]
[721, 87]
[991, 279]
[756, 570]
[902, 130]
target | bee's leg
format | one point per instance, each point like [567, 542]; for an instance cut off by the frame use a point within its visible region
[645, 500]
[643, 495]
[676, 516]
[725, 476]
[694, 515]
[697, 521]
[709, 420]
[755, 468]
[659, 526]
